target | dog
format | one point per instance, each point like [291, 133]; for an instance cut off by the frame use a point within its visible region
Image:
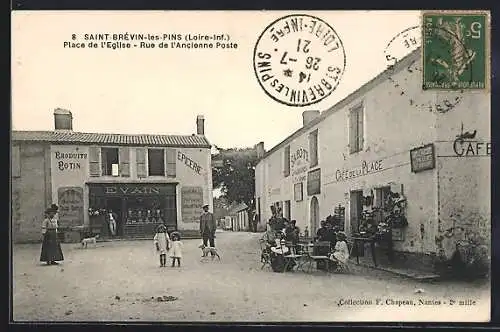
[89, 240]
[208, 250]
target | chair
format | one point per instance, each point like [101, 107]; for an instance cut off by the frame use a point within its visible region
[321, 252]
[294, 258]
[265, 256]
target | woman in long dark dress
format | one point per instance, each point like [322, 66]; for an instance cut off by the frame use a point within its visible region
[51, 249]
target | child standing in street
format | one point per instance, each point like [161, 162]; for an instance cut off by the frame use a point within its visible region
[176, 250]
[162, 243]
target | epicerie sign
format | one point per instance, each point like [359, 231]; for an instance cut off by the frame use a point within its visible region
[68, 161]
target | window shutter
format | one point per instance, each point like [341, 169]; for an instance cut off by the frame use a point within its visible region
[94, 167]
[171, 163]
[313, 148]
[352, 133]
[124, 159]
[141, 162]
[360, 128]
[16, 161]
[286, 162]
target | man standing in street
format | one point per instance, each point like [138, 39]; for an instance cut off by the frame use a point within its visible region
[255, 222]
[207, 227]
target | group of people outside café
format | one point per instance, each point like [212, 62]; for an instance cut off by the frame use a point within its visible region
[283, 238]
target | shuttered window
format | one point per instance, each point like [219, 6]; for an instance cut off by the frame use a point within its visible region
[286, 162]
[156, 162]
[171, 163]
[16, 161]
[313, 148]
[141, 162]
[124, 161]
[356, 134]
[94, 167]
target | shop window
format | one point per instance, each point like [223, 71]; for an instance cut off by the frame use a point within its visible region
[381, 195]
[16, 161]
[287, 210]
[156, 162]
[109, 157]
[313, 148]
[286, 162]
[356, 134]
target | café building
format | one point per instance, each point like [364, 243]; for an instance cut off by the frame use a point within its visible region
[145, 180]
[432, 148]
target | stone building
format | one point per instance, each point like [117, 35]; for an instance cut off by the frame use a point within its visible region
[144, 179]
[389, 136]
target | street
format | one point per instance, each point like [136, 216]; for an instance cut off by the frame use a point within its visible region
[122, 281]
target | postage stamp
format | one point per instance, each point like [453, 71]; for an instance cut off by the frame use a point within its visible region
[299, 60]
[455, 50]
[400, 46]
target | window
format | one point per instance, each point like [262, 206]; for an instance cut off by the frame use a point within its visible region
[156, 162]
[381, 195]
[379, 203]
[286, 164]
[356, 137]
[313, 148]
[109, 163]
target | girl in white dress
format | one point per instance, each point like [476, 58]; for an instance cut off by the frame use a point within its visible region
[176, 249]
[341, 252]
[162, 244]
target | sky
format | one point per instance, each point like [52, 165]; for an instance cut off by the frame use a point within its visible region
[161, 91]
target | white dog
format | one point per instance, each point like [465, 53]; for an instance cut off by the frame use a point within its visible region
[208, 250]
[89, 240]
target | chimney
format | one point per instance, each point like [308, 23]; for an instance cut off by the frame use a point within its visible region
[200, 125]
[308, 116]
[63, 119]
[260, 149]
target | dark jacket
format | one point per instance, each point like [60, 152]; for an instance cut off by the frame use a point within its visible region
[207, 224]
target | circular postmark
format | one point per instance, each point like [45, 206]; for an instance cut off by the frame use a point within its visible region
[299, 60]
[401, 45]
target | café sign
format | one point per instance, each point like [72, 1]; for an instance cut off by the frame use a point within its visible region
[422, 158]
[366, 167]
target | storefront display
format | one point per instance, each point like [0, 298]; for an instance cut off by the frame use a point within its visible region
[140, 207]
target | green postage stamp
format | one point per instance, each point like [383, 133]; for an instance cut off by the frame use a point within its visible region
[456, 50]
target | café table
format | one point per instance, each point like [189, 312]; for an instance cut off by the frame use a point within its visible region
[372, 239]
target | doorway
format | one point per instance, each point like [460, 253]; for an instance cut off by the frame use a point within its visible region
[115, 204]
[355, 209]
[314, 216]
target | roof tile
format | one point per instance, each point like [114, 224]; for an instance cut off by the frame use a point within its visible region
[59, 137]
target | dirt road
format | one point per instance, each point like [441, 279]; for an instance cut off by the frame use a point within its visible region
[122, 281]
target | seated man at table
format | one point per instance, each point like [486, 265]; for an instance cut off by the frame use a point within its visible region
[292, 232]
[321, 233]
[340, 254]
[279, 258]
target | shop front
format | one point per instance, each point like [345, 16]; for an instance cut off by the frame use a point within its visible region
[137, 207]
